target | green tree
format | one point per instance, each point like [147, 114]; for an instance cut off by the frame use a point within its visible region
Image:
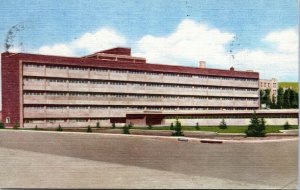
[36, 127]
[130, 125]
[172, 126]
[223, 124]
[197, 126]
[89, 129]
[268, 97]
[126, 129]
[256, 128]
[273, 102]
[2, 125]
[178, 131]
[286, 99]
[293, 99]
[113, 125]
[262, 127]
[59, 128]
[286, 126]
[97, 125]
[265, 97]
[149, 126]
[280, 99]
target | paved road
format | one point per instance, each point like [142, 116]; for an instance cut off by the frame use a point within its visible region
[32, 159]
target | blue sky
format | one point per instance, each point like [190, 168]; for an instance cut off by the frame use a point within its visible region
[47, 23]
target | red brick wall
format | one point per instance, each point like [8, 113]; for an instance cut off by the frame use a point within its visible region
[10, 89]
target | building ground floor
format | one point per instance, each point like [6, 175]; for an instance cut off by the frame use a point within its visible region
[187, 118]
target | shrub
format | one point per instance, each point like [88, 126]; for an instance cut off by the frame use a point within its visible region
[126, 129]
[197, 126]
[178, 131]
[286, 126]
[59, 128]
[89, 129]
[36, 128]
[172, 126]
[16, 126]
[130, 125]
[150, 126]
[113, 125]
[256, 127]
[223, 124]
[2, 125]
[98, 125]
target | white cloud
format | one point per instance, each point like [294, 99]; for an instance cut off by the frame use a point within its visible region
[56, 49]
[193, 41]
[103, 38]
[280, 63]
[189, 43]
[286, 40]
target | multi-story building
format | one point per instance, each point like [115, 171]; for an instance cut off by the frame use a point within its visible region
[47, 90]
[271, 84]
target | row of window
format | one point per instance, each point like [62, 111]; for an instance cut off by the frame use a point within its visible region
[37, 121]
[115, 95]
[27, 79]
[128, 108]
[137, 72]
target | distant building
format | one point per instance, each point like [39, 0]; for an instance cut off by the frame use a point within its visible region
[48, 91]
[271, 84]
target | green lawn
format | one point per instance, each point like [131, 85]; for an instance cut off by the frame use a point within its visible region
[294, 85]
[230, 129]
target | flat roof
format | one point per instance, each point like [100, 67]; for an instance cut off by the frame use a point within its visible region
[151, 67]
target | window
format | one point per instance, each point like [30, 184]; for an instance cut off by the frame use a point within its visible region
[99, 107]
[56, 107]
[200, 98]
[170, 97]
[119, 107]
[33, 93]
[185, 86]
[34, 79]
[55, 67]
[56, 94]
[98, 69]
[78, 94]
[170, 85]
[137, 108]
[136, 84]
[153, 73]
[79, 68]
[153, 108]
[78, 81]
[185, 75]
[57, 80]
[33, 65]
[170, 74]
[153, 96]
[118, 71]
[154, 85]
[7, 119]
[137, 72]
[99, 95]
[118, 95]
[98, 82]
